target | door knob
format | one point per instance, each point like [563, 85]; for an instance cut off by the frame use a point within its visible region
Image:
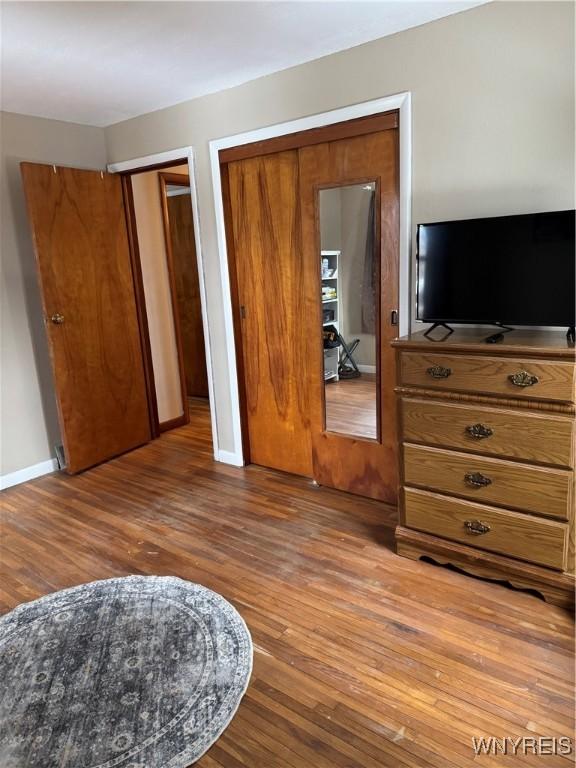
[57, 318]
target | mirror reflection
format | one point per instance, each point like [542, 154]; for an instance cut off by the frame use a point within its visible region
[349, 273]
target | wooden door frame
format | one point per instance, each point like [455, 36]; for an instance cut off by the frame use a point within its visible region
[141, 304]
[132, 225]
[127, 169]
[285, 136]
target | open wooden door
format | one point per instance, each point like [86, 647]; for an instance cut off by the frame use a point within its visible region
[83, 258]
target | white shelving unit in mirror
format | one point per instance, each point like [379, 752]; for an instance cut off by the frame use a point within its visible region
[331, 314]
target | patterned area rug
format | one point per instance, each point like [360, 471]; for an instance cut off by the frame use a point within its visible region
[137, 672]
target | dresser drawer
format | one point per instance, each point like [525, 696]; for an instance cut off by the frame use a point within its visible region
[509, 533]
[535, 379]
[524, 435]
[491, 481]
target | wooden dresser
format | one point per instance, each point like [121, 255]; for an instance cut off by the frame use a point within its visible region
[487, 453]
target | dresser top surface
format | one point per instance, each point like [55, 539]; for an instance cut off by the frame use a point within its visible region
[521, 342]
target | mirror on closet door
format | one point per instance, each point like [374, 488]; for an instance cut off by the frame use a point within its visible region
[349, 279]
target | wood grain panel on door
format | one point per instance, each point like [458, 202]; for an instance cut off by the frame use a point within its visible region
[362, 466]
[184, 268]
[81, 244]
[274, 294]
[541, 437]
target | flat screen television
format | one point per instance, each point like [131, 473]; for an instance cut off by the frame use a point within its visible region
[506, 270]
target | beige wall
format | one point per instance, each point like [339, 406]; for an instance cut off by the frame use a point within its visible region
[151, 244]
[493, 123]
[330, 212]
[355, 202]
[29, 425]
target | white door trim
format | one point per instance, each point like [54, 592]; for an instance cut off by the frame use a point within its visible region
[173, 155]
[400, 101]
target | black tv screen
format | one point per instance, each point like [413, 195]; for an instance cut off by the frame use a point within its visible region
[509, 270]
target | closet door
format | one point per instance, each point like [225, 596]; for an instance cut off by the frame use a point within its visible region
[349, 191]
[80, 238]
[275, 290]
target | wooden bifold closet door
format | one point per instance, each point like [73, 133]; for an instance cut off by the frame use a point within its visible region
[81, 244]
[272, 212]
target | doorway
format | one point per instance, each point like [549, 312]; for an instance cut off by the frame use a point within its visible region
[314, 310]
[163, 241]
[94, 263]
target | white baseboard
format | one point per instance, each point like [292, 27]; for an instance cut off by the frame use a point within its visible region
[28, 473]
[229, 457]
[366, 368]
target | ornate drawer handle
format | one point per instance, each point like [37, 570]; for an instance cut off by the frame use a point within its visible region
[438, 372]
[476, 527]
[477, 480]
[523, 379]
[479, 431]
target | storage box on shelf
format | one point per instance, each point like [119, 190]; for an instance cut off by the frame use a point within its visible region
[487, 456]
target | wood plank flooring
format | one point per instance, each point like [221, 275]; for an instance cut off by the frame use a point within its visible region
[351, 406]
[362, 659]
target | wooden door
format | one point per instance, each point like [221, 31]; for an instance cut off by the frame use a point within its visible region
[183, 266]
[275, 304]
[352, 463]
[81, 244]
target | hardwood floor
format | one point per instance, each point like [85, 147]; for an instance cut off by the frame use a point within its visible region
[362, 659]
[351, 406]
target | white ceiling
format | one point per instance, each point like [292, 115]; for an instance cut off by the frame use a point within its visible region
[102, 62]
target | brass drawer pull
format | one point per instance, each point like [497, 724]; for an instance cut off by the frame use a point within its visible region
[477, 480]
[523, 379]
[479, 431]
[439, 372]
[476, 527]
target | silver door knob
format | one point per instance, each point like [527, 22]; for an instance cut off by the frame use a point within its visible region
[57, 318]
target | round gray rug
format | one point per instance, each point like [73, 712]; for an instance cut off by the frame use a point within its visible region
[137, 672]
